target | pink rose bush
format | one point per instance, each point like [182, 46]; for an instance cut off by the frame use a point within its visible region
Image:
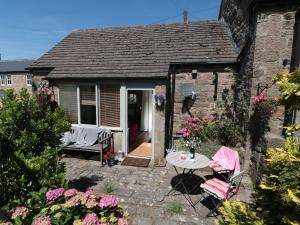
[60, 206]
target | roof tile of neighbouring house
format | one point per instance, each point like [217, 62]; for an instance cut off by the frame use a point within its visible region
[9, 66]
[141, 51]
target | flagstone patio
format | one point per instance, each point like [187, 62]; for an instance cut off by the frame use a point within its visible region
[141, 191]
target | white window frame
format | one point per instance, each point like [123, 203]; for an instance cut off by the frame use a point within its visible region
[8, 80]
[28, 78]
[2, 80]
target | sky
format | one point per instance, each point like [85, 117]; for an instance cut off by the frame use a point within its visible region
[29, 28]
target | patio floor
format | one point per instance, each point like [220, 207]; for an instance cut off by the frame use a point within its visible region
[141, 191]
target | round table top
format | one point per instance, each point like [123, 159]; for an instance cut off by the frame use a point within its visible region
[201, 161]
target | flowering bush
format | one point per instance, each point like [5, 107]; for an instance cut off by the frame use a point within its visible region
[263, 108]
[209, 128]
[60, 206]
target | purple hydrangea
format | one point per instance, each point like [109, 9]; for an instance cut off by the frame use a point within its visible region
[108, 201]
[45, 220]
[51, 195]
[91, 219]
[20, 211]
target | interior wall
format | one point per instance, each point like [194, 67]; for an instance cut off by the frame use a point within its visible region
[146, 119]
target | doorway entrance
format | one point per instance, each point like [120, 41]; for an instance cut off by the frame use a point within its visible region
[140, 123]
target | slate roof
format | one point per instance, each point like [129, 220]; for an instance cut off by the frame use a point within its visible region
[9, 66]
[141, 51]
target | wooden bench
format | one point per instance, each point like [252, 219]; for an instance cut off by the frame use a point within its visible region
[104, 143]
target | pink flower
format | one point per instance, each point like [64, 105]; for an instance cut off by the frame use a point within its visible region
[75, 200]
[193, 125]
[260, 98]
[91, 219]
[91, 203]
[276, 98]
[208, 117]
[45, 220]
[108, 201]
[71, 192]
[122, 221]
[51, 195]
[89, 192]
[20, 211]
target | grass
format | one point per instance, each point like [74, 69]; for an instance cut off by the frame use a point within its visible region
[108, 188]
[175, 207]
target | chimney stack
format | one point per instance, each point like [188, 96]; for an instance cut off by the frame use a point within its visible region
[185, 17]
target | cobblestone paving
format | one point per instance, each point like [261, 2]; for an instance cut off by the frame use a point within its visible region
[141, 191]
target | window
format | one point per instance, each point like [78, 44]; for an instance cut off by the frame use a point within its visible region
[110, 105]
[28, 79]
[2, 80]
[88, 105]
[68, 101]
[80, 104]
[8, 80]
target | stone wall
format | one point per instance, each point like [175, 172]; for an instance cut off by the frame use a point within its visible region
[235, 15]
[205, 103]
[159, 126]
[273, 46]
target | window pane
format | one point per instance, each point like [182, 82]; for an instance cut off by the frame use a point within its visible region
[110, 105]
[8, 79]
[88, 104]
[68, 101]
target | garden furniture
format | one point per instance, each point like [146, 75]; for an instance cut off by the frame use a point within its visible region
[219, 191]
[89, 139]
[186, 172]
[226, 162]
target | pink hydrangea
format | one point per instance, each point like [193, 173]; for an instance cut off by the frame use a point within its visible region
[108, 201]
[89, 192]
[45, 220]
[51, 195]
[71, 192]
[20, 211]
[73, 201]
[91, 219]
[122, 221]
[91, 203]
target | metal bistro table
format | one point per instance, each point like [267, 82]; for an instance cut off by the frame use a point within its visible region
[188, 168]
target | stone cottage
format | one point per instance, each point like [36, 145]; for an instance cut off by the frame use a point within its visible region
[134, 80]
[13, 75]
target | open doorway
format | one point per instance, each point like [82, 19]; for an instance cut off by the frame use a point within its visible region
[140, 123]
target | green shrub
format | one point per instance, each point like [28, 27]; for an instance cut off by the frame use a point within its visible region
[29, 136]
[276, 196]
[238, 213]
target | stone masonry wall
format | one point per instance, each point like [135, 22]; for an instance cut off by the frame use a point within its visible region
[205, 88]
[273, 45]
[235, 15]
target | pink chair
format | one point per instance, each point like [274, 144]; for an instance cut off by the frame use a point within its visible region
[226, 162]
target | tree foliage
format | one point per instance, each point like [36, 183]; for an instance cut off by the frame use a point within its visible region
[29, 136]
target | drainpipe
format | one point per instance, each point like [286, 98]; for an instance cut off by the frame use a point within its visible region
[172, 101]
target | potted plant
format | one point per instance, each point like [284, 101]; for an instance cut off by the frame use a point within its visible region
[159, 102]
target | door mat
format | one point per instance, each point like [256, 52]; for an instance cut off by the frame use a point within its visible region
[138, 162]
